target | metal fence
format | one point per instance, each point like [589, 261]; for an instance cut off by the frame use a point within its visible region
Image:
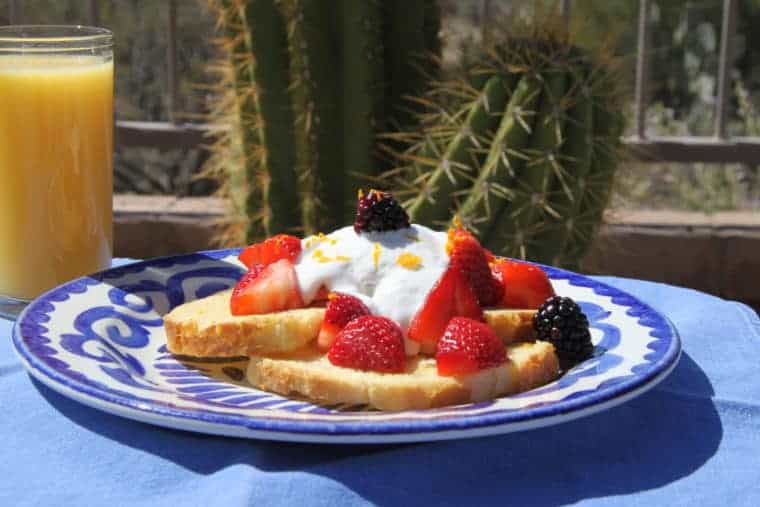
[719, 148]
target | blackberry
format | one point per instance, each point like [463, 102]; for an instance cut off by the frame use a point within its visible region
[561, 322]
[378, 211]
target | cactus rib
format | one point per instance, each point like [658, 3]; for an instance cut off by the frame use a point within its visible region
[314, 89]
[266, 41]
[254, 201]
[575, 161]
[362, 66]
[483, 117]
[504, 157]
[404, 50]
[608, 127]
[518, 220]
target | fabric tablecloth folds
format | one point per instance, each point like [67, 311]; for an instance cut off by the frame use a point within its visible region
[693, 440]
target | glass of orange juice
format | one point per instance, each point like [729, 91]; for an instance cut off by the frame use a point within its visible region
[56, 147]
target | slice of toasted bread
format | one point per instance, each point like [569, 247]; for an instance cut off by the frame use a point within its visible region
[310, 374]
[206, 328]
[511, 325]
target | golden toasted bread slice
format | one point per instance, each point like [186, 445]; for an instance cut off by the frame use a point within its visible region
[310, 374]
[206, 328]
[511, 325]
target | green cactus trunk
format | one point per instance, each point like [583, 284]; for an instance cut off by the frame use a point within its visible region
[523, 216]
[411, 35]
[597, 190]
[453, 171]
[538, 184]
[316, 85]
[574, 167]
[254, 202]
[489, 196]
[318, 127]
[273, 118]
[363, 97]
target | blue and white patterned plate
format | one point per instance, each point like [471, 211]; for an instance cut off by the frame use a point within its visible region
[100, 340]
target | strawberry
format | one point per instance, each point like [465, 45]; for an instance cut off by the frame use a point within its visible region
[369, 343]
[471, 259]
[322, 294]
[451, 296]
[267, 289]
[490, 257]
[525, 285]
[468, 346]
[341, 309]
[281, 246]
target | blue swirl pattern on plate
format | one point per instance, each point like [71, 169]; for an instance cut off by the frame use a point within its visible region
[100, 339]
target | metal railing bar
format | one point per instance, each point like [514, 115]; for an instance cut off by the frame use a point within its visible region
[94, 13]
[737, 150]
[642, 64]
[171, 57]
[728, 30]
[161, 135]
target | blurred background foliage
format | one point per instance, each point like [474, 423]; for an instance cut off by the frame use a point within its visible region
[685, 46]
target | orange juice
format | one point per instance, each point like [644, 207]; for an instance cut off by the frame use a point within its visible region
[56, 142]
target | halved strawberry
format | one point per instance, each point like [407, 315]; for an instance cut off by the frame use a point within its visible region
[267, 289]
[525, 286]
[471, 259]
[451, 296]
[341, 309]
[322, 294]
[468, 346]
[490, 257]
[280, 246]
[369, 343]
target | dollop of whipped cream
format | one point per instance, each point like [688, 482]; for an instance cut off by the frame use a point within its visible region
[392, 272]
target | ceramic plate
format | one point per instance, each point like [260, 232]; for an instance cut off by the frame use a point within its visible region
[100, 340]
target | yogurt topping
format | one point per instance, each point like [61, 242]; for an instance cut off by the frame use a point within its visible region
[392, 272]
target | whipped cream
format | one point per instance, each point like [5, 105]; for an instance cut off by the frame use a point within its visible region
[392, 272]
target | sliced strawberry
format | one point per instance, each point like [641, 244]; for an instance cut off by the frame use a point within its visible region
[281, 246]
[468, 346]
[369, 343]
[490, 257]
[267, 289]
[468, 256]
[322, 294]
[525, 285]
[341, 309]
[451, 296]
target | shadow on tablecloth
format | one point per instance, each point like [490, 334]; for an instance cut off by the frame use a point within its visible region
[644, 444]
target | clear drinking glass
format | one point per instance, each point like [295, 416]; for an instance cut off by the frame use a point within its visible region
[56, 148]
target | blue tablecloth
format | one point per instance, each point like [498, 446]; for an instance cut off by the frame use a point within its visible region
[693, 440]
